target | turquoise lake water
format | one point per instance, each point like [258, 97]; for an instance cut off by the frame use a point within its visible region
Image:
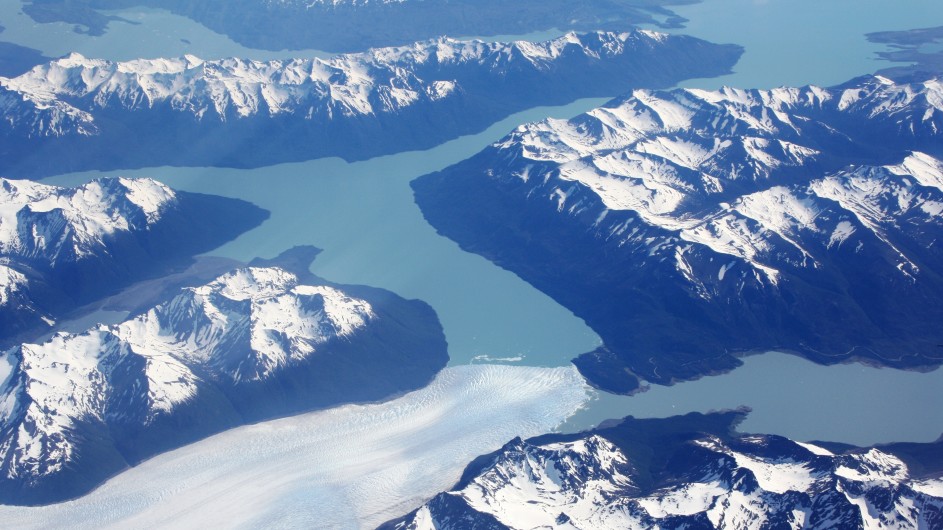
[363, 216]
[800, 42]
[149, 33]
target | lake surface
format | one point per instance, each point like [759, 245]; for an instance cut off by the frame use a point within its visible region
[147, 33]
[372, 233]
[363, 216]
[800, 42]
[790, 396]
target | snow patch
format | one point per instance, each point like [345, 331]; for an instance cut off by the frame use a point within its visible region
[816, 450]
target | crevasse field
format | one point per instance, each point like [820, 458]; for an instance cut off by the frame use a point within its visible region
[347, 467]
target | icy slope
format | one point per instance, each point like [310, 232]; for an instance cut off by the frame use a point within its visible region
[304, 108]
[64, 246]
[686, 224]
[350, 467]
[708, 481]
[255, 343]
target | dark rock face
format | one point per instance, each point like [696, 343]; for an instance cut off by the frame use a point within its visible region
[684, 472]
[257, 343]
[355, 106]
[686, 227]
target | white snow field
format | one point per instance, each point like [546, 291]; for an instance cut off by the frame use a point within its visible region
[349, 467]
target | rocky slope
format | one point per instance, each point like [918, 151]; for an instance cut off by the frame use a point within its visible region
[76, 113]
[683, 472]
[62, 247]
[256, 343]
[688, 225]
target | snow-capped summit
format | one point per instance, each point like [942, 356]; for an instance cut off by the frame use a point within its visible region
[222, 89]
[689, 479]
[750, 218]
[254, 343]
[539, 482]
[250, 323]
[245, 325]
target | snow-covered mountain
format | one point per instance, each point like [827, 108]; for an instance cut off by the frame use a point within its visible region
[62, 247]
[687, 224]
[355, 105]
[255, 343]
[610, 479]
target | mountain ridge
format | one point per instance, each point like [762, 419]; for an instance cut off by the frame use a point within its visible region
[72, 112]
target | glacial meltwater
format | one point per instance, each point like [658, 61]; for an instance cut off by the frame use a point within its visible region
[363, 216]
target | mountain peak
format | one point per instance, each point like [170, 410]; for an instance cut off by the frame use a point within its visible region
[251, 283]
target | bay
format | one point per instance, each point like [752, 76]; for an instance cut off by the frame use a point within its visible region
[363, 216]
[792, 397]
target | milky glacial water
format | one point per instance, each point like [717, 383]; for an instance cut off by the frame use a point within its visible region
[85, 322]
[143, 33]
[790, 396]
[800, 42]
[372, 233]
[363, 216]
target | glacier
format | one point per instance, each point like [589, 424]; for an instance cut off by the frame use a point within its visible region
[353, 466]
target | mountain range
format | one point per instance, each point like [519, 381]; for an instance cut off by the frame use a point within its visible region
[688, 227]
[687, 472]
[77, 113]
